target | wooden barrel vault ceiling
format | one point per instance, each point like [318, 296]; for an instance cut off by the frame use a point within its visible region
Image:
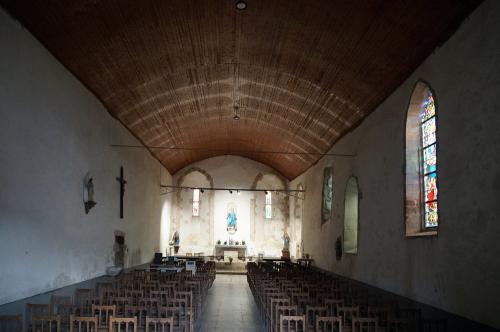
[302, 72]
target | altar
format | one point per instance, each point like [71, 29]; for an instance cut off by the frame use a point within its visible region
[240, 249]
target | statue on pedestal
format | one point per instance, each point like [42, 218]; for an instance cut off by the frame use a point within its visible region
[175, 242]
[285, 253]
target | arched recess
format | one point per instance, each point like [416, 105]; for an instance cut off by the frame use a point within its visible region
[296, 225]
[351, 216]
[267, 234]
[421, 153]
[193, 230]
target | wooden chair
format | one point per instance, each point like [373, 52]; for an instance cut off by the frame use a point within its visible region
[312, 312]
[159, 324]
[175, 314]
[56, 300]
[332, 304]
[362, 324]
[11, 323]
[140, 312]
[65, 311]
[45, 324]
[35, 309]
[328, 324]
[104, 313]
[347, 314]
[270, 319]
[83, 300]
[289, 310]
[83, 324]
[292, 323]
[123, 324]
[121, 303]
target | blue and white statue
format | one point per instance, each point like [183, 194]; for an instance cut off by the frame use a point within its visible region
[231, 222]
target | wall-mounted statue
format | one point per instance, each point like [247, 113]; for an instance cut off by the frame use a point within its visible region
[286, 241]
[231, 219]
[88, 193]
[285, 253]
[176, 241]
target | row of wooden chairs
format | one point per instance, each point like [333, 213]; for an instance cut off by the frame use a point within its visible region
[139, 300]
[294, 298]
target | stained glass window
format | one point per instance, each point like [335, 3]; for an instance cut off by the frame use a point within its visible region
[268, 209]
[196, 202]
[326, 207]
[429, 161]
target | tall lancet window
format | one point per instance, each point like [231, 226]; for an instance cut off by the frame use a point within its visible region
[196, 202]
[268, 206]
[429, 160]
[421, 205]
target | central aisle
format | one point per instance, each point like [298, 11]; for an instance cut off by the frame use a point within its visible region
[230, 306]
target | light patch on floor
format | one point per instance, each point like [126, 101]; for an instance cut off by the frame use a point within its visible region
[230, 307]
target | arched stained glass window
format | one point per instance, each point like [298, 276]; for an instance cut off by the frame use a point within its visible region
[196, 202]
[326, 206]
[429, 160]
[421, 204]
[268, 206]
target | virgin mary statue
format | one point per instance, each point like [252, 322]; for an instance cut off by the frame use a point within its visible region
[231, 221]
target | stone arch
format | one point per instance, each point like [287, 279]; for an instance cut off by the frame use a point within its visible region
[208, 197]
[296, 225]
[414, 173]
[275, 227]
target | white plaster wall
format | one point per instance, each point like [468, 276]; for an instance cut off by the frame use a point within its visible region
[52, 131]
[229, 172]
[458, 270]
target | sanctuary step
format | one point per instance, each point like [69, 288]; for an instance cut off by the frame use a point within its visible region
[230, 268]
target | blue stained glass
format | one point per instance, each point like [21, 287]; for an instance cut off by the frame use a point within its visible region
[429, 132]
[428, 108]
[430, 160]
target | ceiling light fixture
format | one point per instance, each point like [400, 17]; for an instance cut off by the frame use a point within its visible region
[235, 113]
[241, 4]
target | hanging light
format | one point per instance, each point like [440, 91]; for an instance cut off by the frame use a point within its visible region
[235, 114]
[241, 4]
[238, 192]
[230, 191]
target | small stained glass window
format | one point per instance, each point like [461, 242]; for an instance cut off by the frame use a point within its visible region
[268, 206]
[429, 161]
[196, 202]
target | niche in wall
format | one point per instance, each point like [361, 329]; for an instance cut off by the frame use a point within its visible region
[351, 216]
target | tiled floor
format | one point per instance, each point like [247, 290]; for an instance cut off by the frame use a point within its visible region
[230, 307]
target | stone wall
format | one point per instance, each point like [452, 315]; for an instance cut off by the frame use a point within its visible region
[458, 270]
[53, 131]
[201, 233]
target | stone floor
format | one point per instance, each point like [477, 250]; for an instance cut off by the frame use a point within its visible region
[230, 307]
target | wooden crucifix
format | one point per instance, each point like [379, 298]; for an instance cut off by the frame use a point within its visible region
[122, 190]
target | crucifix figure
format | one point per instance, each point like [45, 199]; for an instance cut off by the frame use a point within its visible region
[122, 190]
